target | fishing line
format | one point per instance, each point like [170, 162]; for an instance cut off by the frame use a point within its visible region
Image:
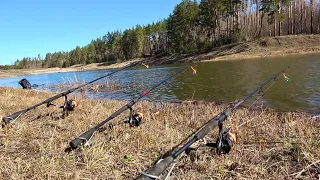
[86, 136]
[226, 138]
[13, 117]
[260, 96]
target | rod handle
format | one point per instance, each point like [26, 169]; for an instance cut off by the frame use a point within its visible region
[12, 117]
[157, 169]
[82, 139]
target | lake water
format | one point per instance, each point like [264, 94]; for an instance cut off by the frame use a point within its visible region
[221, 81]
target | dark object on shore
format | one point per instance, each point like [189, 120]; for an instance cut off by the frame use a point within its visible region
[35, 85]
[25, 84]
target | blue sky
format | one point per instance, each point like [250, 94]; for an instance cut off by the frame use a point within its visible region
[29, 28]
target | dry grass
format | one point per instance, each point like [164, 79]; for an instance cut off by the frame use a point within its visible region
[272, 146]
[95, 87]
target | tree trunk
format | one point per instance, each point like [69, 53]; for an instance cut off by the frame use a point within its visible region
[244, 21]
[250, 21]
[279, 18]
[275, 26]
[289, 18]
[269, 27]
[311, 16]
[257, 16]
[260, 30]
[227, 26]
[219, 24]
[301, 19]
[232, 24]
[319, 18]
[305, 17]
[294, 18]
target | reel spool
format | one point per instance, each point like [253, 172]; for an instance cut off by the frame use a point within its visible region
[227, 138]
[68, 105]
[225, 141]
[135, 119]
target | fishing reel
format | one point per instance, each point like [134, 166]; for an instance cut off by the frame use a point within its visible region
[225, 141]
[135, 119]
[68, 105]
[227, 138]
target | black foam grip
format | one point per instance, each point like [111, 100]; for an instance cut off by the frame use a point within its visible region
[157, 169]
[10, 118]
[74, 144]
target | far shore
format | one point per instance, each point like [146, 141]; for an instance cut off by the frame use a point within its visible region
[264, 47]
[75, 68]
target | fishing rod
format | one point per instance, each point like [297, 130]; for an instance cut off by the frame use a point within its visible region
[84, 138]
[225, 140]
[68, 105]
